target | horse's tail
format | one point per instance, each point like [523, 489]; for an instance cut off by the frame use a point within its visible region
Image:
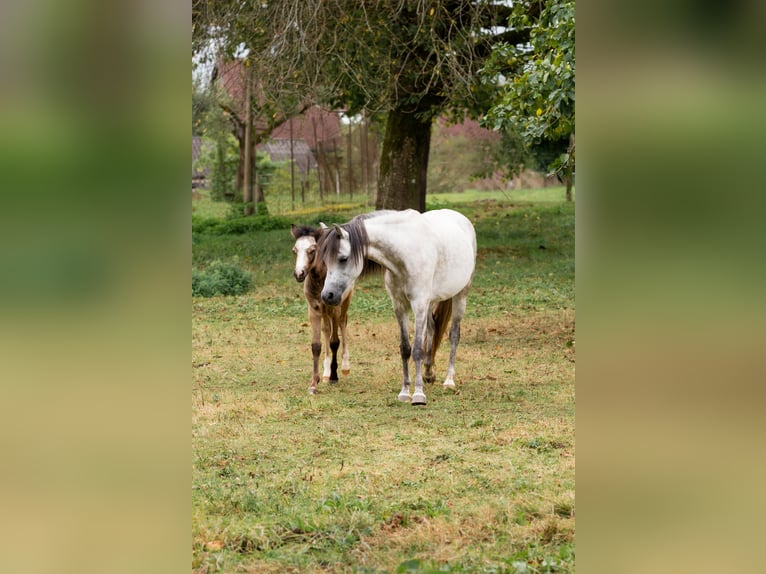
[442, 314]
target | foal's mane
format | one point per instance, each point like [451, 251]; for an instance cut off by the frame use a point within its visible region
[306, 230]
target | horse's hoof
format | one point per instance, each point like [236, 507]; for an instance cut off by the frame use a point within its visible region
[333, 381]
[449, 385]
[325, 379]
[418, 399]
[404, 397]
[429, 378]
[312, 391]
[346, 372]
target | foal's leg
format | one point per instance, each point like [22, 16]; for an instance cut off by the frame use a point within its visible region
[420, 310]
[458, 309]
[345, 365]
[334, 318]
[327, 330]
[316, 347]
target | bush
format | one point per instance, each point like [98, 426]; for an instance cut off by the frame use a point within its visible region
[220, 278]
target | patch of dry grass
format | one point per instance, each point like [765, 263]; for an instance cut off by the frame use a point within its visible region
[473, 477]
[482, 477]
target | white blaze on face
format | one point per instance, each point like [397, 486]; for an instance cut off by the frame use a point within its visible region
[305, 248]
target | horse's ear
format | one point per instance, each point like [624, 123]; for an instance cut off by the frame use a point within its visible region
[322, 225]
[342, 233]
[294, 231]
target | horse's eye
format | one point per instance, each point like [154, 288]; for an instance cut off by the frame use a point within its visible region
[342, 259]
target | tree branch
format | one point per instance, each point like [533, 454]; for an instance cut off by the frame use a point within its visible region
[512, 37]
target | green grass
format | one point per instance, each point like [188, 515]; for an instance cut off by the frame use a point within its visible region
[203, 206]
[541, 195]
[351, 480]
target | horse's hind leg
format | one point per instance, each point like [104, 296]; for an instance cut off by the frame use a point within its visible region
[428, 367]
[458, 309]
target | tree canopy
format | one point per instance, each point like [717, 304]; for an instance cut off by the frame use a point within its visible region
[537, 98]
[409, 60]
[372, 55]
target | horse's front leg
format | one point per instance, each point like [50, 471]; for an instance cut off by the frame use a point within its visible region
[418, 352]
[334, 318]
[316, 347]
[327, 330]
[403, 317]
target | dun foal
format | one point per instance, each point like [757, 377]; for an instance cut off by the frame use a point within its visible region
[311, 271]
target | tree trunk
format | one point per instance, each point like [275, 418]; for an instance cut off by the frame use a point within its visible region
[223, 185]
[363, 155]
[259, 197]
[569, 171]
[240, 166]
[247, 172]
[292, 166]
[318, 157]
[404, 162]
[350, 158]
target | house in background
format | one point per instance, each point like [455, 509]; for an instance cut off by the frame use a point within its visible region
[315, 133]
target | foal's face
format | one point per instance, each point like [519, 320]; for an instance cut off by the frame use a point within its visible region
[341, 272]
[305, 249]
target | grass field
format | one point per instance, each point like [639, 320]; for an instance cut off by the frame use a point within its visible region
[281, 203]
[351, 480]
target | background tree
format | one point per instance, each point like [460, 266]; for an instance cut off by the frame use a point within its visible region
[221, 151]
[209, 121]
[537, 98]
[243, 75]
[411, 60]
[201, 104]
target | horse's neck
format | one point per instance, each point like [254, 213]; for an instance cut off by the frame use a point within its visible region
[385, 247]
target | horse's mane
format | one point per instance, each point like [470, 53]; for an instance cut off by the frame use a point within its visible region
[329, 244]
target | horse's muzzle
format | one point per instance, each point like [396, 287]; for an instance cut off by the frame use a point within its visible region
[300, 277]
[331, 298]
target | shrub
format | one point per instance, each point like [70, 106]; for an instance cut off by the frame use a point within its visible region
[220, 278]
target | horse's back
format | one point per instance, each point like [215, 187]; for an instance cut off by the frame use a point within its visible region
[457, 250]
[454, 230]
